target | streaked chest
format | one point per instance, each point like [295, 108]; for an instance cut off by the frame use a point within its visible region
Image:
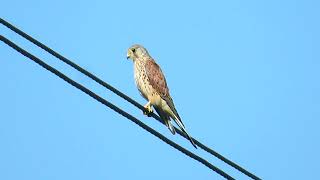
[141, 79]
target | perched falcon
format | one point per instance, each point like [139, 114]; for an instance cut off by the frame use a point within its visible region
[153, 87]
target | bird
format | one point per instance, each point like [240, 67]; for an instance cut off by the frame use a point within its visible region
[152, 86]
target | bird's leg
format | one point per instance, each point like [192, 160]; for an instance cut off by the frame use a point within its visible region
[148, 109]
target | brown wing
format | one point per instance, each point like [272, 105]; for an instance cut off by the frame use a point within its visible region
[156, 78]
[158, 82]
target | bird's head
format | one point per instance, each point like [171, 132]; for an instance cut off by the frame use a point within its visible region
[136, 51]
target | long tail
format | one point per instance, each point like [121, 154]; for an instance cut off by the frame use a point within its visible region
[180, 124]
[166, 119]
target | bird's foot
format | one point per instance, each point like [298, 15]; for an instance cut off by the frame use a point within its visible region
[148, 110]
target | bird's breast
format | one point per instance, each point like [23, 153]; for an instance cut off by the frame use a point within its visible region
[141, 79]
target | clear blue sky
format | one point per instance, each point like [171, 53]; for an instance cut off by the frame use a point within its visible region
[244, 76]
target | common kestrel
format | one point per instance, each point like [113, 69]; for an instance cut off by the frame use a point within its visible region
[153, 87]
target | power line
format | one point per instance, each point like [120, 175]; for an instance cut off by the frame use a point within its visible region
[122, 95]
[113, 107]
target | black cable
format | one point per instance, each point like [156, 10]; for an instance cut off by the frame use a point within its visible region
[113, 107]
[117, 92]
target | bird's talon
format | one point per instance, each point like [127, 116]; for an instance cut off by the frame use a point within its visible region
[148, 110]
[147, 113]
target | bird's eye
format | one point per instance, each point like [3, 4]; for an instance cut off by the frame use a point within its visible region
[133, 50]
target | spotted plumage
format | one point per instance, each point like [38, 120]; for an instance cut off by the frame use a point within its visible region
[153, 87]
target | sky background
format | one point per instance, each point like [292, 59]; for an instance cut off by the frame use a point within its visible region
[244, 76]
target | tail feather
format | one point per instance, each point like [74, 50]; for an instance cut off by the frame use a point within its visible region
[171, 127]
[166, 119]
[178, 121]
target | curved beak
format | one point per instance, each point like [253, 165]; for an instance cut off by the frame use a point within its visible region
[128, 55]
